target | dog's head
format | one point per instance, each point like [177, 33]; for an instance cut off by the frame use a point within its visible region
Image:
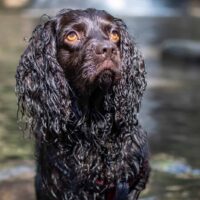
[88, 49]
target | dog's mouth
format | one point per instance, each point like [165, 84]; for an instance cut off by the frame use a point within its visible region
[105, 79]
[102, 76]
[107, 74]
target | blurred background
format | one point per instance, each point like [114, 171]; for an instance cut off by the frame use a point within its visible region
[168, 34]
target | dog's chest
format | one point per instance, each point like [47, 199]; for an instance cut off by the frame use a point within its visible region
[99, 159]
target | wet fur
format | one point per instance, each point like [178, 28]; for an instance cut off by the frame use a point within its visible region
[84, 148]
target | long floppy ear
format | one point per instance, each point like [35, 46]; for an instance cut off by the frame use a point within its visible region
[129, 92]
[41, 87]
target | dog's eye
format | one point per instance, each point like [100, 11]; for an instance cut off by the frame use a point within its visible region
[114, 36]
[71, 37]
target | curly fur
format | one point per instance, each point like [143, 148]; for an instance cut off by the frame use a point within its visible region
[83, 155]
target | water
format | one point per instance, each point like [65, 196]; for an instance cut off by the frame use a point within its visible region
[174, 137]
[124, 7]
[170, 111]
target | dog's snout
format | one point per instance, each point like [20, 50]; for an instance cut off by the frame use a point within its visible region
[105, 49]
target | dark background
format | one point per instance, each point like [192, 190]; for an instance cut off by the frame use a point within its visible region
[168, 34]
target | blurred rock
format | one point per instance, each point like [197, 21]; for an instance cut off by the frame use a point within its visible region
[17, 189]
[15, 3]
[180, 50]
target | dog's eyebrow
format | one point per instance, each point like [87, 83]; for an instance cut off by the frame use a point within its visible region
[79, 26]
[106, 23]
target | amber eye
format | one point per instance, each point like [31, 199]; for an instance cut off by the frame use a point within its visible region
[71, 37]
[114, 36]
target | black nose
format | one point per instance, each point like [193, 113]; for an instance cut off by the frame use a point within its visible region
[105, 49]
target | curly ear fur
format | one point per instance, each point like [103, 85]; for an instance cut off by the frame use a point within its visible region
[42, 90]
[129, 92]
[132, 84]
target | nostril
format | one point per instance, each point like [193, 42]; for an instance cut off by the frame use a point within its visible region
[104, 50]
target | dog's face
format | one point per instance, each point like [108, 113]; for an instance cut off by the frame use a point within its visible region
[88, 49]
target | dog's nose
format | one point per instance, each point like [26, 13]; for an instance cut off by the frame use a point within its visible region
[105, 49]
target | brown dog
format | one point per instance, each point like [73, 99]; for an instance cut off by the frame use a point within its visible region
[79, 84]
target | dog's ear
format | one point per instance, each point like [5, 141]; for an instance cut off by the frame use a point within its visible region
[129, 91]
[41, 87]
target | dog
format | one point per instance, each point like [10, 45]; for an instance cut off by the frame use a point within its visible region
[79, 85]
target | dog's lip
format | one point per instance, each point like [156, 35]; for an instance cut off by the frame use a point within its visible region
[110, 65]
[107, 65]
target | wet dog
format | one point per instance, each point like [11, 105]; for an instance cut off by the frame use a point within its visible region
[79, 84]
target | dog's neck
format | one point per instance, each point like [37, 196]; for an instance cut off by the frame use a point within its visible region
[88, 102]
